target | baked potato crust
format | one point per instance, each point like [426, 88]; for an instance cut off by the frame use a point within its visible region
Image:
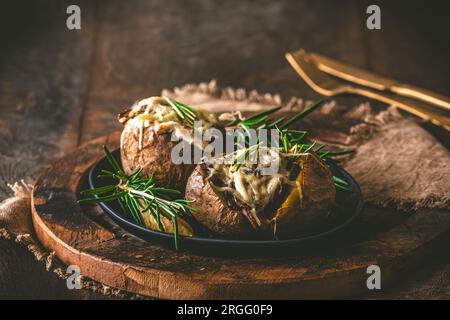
[153, 157]
[304, 207]
[212, 211]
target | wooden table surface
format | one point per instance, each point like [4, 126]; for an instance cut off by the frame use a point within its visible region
[60, 88]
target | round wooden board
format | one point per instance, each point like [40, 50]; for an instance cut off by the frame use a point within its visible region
[84, 236]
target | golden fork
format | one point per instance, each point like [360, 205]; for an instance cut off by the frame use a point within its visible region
[327, 85]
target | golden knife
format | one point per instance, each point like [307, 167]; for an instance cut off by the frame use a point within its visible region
[368, 79]
[327, 85]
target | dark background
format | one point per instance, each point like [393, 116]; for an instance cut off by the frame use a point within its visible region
[60, 88]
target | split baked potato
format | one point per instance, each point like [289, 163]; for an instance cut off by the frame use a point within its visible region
[150, 128]
[242, 202]
[234, 199]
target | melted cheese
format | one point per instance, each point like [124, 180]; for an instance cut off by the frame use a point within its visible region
[156, 113]
[153, 112]
[247, 184]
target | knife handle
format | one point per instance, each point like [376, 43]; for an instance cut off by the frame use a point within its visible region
[422, 94]
[414, 108]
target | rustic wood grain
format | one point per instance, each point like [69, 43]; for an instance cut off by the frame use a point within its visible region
[411, 47]
[120, 260]
[43, 82]
[394, 51]
[239, 43]
[50, 77]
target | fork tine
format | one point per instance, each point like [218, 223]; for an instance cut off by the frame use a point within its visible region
[328, 86]
[316, 79]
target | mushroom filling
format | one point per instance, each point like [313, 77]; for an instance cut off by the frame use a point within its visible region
[255, 183]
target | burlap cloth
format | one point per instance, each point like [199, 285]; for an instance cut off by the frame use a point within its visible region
[396, 163]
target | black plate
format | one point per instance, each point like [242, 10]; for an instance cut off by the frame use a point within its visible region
[349, 205]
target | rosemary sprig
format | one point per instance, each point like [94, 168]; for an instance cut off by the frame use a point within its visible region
[293, 145]
[292, 142]
[258, 117]
[340, 184]
[184, 112]
[140, 196]
[302, 114]
[261, 120]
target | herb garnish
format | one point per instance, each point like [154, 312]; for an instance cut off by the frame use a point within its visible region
[140, 196]
[292, 142]
[184, 112]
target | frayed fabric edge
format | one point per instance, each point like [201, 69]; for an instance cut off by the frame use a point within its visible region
[372, 123]
[52, 264]
[212, 90]
[363, 132]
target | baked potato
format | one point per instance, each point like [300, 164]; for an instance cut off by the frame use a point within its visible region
[146, 141]
[184, 228]
[243, 202]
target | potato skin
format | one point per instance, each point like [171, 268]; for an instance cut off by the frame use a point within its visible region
[309, 207]
[302, 212]
[154, 157]
[211, 210]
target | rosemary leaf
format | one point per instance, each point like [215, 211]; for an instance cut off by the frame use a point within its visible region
[303, 114]
[139, 196]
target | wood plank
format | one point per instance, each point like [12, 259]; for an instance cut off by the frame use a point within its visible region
[412, 45]
[43, 82]
[240, 44]
[42, 89]
[120, 260]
